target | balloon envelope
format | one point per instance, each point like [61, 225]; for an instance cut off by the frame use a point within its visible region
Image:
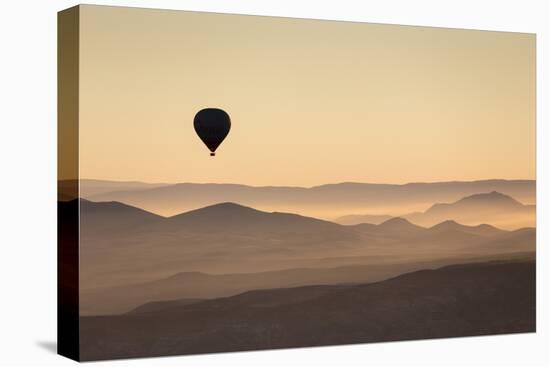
[212, 126]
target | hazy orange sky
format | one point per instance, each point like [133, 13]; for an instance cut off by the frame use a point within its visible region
[311, 102]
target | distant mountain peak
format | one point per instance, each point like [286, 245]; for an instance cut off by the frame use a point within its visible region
[222, 208]
[493, 196]
[104, 207]
[228, 205]
[233, 219]
[396, 220]
[451, 225]
[398, 223]
[448, 223]
[493, 199]
[487, 226]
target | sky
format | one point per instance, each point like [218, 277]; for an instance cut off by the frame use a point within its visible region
[311, 102]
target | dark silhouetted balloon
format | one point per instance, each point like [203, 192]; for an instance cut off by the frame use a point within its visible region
[212, 126]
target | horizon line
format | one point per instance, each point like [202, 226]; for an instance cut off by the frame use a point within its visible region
[236, 204]
[298, 186]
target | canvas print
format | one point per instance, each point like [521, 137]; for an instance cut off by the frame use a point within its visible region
[232, 183]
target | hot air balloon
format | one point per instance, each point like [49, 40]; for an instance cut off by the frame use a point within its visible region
[212, 126]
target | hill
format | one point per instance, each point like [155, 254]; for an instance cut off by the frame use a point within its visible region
[189, 286]
[461, 300]
[485, 230]
[324, 201]
[123, 245]
[493, 207]
[232, 218]
[399, 227]
[108, 218]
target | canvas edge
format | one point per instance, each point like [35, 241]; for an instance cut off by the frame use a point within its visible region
[68, 338]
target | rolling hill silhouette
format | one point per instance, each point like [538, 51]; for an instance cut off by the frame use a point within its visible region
[493, 201]
[447, 302]
[228, 218]
[325, 201]
[482, 208]
[445, 235]
[494, 207]
[196, 285]
[219, 238]
[191, 286]
[480, 229]
[132, 255]
[399, 227]
[107, 218]
[238, 219]
[239, 278]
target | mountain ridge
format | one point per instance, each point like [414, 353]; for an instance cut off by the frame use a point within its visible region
[322, 201]
[400, 308]
[489, 208]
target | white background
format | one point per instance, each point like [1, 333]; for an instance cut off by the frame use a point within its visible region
[28, 183]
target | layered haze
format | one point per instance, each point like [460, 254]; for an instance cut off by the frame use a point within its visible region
[328, 201]
[377, 183]
[134, 256]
